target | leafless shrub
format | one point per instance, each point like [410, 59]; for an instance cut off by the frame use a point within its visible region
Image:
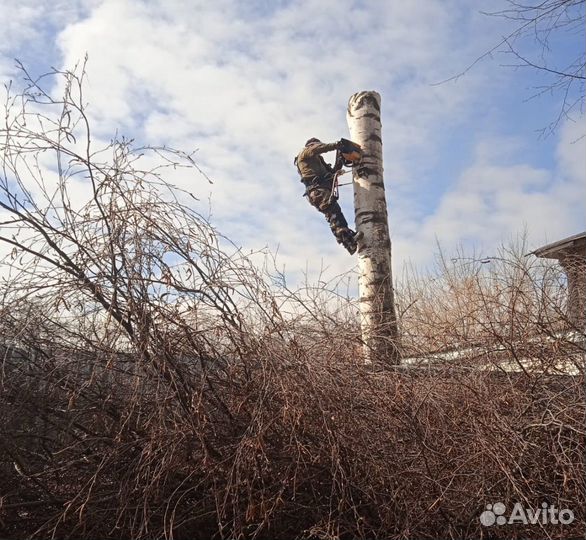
[156, 385]
[511, 306]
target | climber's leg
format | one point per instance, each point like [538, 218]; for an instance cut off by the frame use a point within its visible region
[321, 199]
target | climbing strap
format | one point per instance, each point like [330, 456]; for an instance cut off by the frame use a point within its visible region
[348, 155]
[335, 193]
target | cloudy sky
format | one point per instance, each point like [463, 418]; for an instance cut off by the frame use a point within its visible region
[246, 82]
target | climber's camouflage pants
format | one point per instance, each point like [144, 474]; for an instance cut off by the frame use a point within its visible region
[320, 198]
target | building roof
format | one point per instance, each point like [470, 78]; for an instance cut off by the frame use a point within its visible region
[573, 245]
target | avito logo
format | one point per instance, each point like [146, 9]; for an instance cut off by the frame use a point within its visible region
[495, 514]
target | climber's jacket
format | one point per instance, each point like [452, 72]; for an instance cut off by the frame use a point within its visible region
[313, 169]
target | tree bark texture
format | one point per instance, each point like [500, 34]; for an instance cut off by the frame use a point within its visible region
[377, 303]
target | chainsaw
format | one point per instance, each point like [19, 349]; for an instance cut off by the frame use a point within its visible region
[348, 155]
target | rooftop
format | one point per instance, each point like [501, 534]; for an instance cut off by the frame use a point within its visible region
[561, 248]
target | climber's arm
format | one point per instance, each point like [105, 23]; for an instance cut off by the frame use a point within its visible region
[321, 148]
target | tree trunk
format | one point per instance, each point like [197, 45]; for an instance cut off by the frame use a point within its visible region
[377, 303]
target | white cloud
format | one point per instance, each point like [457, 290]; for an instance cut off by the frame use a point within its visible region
[494, 199]
[248, 82]
[570, 150]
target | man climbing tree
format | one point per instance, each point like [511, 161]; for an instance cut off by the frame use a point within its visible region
[320, 183]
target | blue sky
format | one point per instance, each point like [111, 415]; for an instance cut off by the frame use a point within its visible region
[247, 82]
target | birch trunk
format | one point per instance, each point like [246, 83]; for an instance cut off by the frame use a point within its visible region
[377, 304]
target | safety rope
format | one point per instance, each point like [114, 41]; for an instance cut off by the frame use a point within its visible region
[335, 193]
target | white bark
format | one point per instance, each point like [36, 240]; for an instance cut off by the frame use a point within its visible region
[377, 303]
